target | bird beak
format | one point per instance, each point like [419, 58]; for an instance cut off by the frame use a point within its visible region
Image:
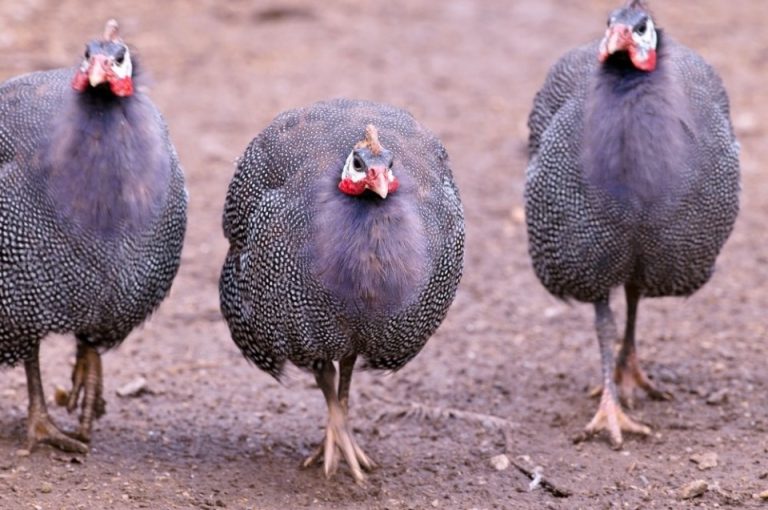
[378, 180]
[97, 72]
[618, 37]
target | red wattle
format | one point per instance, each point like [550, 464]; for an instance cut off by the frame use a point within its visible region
[121, 87]
[350, 187]
[648, 65]
[393, 185]
[80, 81]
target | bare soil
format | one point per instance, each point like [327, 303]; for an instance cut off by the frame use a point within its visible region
[509, 370]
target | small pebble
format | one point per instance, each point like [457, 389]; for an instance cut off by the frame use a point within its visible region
[705, 460]
[718, 397]
[694, 489]
[500, 462]
[133, 388]
[763, 495]
[46, 488]
[22, 453]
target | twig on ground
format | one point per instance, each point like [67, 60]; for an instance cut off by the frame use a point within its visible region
[435, 413]
[536, 475]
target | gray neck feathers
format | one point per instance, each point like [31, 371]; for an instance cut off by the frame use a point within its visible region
[368, 252]
[636, 137]
[106, 164]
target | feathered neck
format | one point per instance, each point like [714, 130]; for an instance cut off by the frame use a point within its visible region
[635, 139]
[106, 163]
[370, 253]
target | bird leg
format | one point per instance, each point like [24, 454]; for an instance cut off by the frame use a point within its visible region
[40, 427]
[628, 373]
[610, 416]
[338, 437]
[87, 380]
[346, 365]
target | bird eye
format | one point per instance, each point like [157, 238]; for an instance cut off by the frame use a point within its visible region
[642, 27]
[391, 164]
[120, 57]
[87, 54]
[357, 163]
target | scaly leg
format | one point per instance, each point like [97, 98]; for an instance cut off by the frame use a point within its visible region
[40, 427]
[628, 374]
[346, 366]
[87, 379]
[338, 437]
[609, 415]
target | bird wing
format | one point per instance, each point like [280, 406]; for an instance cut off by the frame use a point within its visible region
[27, 102]
[246, 191]
[12, 94]
[703, 85]
[567, 78]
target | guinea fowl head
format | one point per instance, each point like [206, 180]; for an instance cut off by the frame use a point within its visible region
[631, 33]
[368, 167]
[106, 65]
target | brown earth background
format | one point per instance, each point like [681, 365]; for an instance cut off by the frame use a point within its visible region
[508, 372]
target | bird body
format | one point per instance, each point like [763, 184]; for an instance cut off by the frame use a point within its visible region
[322, 268]
[313, 273]
[92, 214]
[633, 176]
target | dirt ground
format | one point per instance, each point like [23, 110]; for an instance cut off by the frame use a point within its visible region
[509, 370]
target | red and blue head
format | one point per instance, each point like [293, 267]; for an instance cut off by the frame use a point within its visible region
[106, 64]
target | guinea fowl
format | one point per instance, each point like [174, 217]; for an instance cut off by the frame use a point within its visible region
[633, 181]
[92, 220]
[346, 239]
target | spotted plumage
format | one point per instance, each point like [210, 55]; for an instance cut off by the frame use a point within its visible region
[633, 176]
[92, 217]
[315, 274]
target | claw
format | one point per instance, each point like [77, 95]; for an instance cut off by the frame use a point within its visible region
[611, 417]
[86, 382]
[629, 375]
[627, 379]
[42, 430]
[339, 442]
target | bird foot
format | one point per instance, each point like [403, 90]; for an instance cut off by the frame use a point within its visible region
[339, 442]
[86, 383]
[629, 376]
[611, 417]
[42, 430]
